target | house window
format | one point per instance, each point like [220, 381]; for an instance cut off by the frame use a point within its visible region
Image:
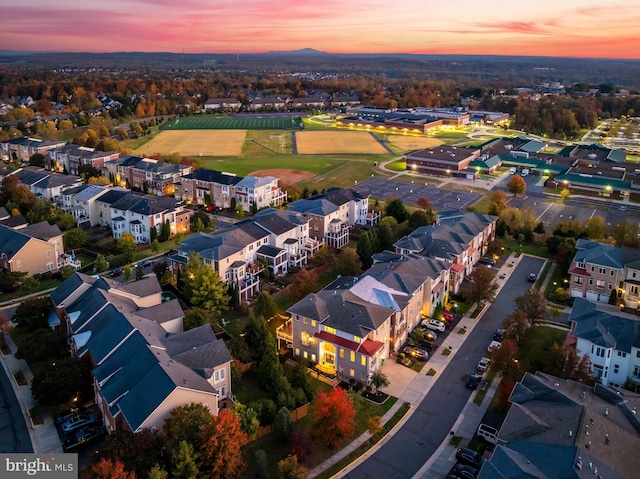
[616, 368]
[610, 286]
[597, 370]
[633, 275]
[49, 266]
[19, 263]
[305, 321]
[352, 356]
[352, 373]
[579, 280]
[581, 265]
[342, 353]
[330, 330]
[313, 323]
[297, 351]
[357, 339]
[634, 290]
[218, 375]
[222, 391]
[600, 284]
[636, 371]
[48, 253]
[621, 284]
[638, 354]
[602, 271]
[304, 338]
[600, 352]
[363, 360]
[313, 358]
[622, 354]
[593, 268]
[305, 354]
[612, 272]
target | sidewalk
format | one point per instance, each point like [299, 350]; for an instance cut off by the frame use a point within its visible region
[420, 386]
[44, 437]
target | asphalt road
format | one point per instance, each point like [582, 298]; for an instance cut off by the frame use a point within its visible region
[414, 443]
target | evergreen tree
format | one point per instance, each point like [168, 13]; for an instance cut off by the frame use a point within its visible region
[183, 462]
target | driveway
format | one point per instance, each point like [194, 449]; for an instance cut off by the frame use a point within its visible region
[421, 435]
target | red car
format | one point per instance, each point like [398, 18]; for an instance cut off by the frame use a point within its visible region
[211, 208]
[447, 316]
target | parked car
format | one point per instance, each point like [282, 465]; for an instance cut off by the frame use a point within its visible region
[78, 422]
[488, 433]
[469, 457]
[464, 471]
[498, 335]
[420, 343]
[487, 261]
[430, 335]
[416, 353]
[483, 365]
[83, 437]
[524, 172]
[66, 416]
[513, 170]
[494, 345]
[532, 277]
[448, 316]
[473, 381]
[434, 325]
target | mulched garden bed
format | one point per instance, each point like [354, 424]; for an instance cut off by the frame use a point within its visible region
[379, 398]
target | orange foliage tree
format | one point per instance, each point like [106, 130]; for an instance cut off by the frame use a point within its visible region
[222, 441]
[106, 469]
[334, 415]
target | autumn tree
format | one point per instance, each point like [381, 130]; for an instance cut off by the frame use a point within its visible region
[264, 305]
[517, 185]
[139, 452]
[61, 381]
[157, 472]
[595, 228]
[566, 363]
[483, 286]
[222, 442]
[183, 462]
[303, 283]
[533, 304]
[185, 423]
[497, 202]
[203, 286]
[290, 469]
[107, 469]
[248, 418]
[419, 218]
[516, 325]
[74, 238]
[127, 245]
[333, 417]
[504, 360]
[348, 262]
[397, 210]
[101, 264]
[300, 444]
[374, 425]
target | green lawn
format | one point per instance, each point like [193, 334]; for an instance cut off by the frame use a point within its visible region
[398, 165]
[210, 122]
[535, 346]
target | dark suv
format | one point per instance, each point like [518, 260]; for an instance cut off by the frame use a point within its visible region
[469, 457]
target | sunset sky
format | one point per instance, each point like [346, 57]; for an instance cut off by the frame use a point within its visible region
[584, 28]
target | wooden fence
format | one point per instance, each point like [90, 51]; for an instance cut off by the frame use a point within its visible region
[296, 414]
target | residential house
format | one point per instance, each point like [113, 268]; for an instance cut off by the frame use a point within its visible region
[222, 104]
[145, 174]
[308, 102]
[138, 214]
[333, 212]
[560, 429]
[598, 268]
[105, 201]
[143, 364]
[69, 158]
[207, 187]
[23, 148]
[45, 184]
[341, 333]
[345, 98]
[15, 222]
[264, 192]
[611, 340]
[81, 202]
[278, 238]
[23, 253]
[272, 102]
[460, 239]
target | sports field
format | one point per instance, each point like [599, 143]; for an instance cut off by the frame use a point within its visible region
[413, 142]
[205, 122]
[337, 143]
[196, 143]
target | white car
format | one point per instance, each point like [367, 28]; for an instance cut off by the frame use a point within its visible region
[494, 345]
[434, 324]
[513, 170]
[483, 365]
[524, 172]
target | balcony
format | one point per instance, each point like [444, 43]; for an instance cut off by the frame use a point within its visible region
[285, 332]
[69, 260]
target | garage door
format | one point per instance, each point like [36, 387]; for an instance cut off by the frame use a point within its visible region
[592, 296]
[471, 177]
[576, 293]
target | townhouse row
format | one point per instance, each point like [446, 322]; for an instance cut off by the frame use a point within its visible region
[350, 327]
[143, 364]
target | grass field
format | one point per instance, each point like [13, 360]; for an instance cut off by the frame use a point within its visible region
[196, 143]
[227, 123]
[337, 142]
[407, 143]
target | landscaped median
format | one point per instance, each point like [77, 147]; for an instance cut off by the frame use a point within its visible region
[363, 448]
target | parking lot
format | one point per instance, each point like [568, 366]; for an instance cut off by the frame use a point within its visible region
[410, 193]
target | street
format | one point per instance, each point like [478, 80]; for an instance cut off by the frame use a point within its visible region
[414, 443]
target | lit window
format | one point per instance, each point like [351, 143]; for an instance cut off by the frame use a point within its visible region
[313, 323]
[342, 353]
[353, 357]
[352, 373]
[329, 329]
[363, 360]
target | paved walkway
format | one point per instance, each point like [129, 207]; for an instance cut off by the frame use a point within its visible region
[418, 387]
[44, 437]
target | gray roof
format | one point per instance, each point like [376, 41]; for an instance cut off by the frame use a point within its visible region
[193, 338]
[14, 221]
[69, 286]
[269, 251]
[318, 207]
[343, 311]
[203, 359]
[213, 176]
[113, 195]
[4, 213]
[143, 287]
[600, 254]
[163, 312]
[90, 192]
[43, 231]
[604, 328]
[223, 243]
[448, 238]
